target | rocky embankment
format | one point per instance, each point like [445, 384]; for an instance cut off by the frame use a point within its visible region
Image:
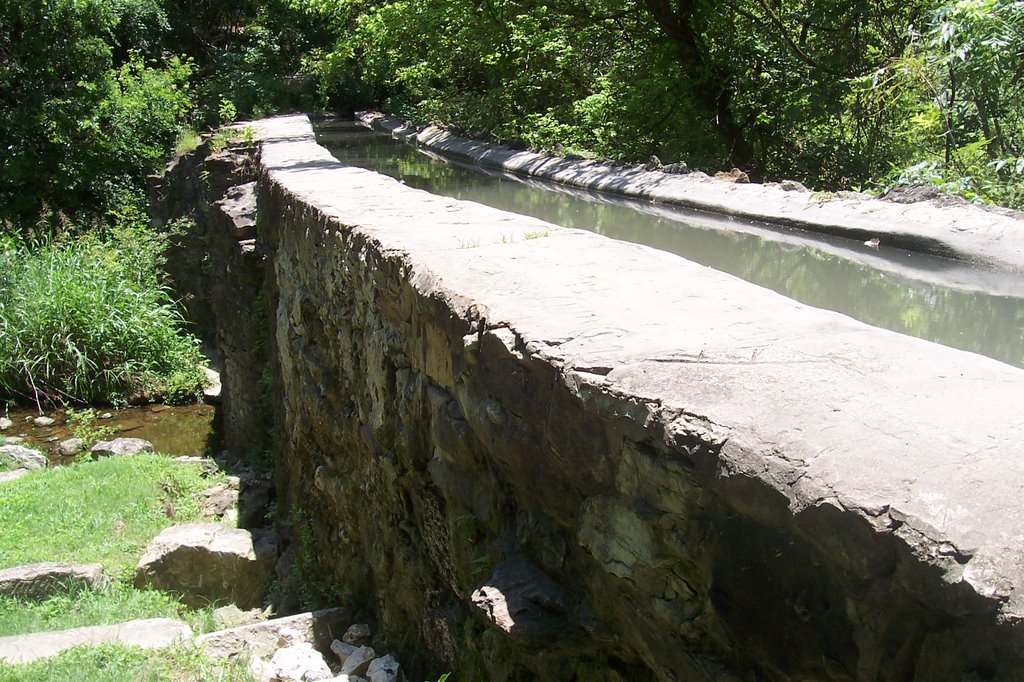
[566, 457]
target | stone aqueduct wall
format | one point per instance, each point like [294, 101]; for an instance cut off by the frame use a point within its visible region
[529, 452]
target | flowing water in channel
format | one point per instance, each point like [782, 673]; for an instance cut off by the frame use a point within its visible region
[933, 298]
[173, 430]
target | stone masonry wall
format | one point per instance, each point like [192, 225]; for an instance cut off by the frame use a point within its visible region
[533, 453]
[206, 198]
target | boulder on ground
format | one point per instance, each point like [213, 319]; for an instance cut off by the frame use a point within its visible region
[120, 447]
[71, 447]
[261, 639]
[152, 633]
[5, 423]
[44, 421]
[205, 562]
[38, 581]
[218, 500]
[22, 457]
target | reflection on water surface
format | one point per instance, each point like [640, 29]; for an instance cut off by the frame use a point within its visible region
[923, 296]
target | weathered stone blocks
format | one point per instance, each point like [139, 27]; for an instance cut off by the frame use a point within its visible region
[715, 482]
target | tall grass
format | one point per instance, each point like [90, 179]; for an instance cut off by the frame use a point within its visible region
[88, 320]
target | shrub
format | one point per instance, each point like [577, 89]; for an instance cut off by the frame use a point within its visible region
[90, 321]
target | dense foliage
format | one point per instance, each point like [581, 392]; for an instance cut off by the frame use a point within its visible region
[89, 103]
[88, 320]
[836, 93]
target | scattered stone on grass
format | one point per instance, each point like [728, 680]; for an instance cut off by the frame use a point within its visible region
[261, 639]
[120, 447]
[219, 500]
[152, 633]
[207, 562]
[14, 475]
[231, 616]
[38, 581]
[25, 458]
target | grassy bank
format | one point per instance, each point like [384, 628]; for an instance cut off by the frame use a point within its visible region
[109, 663]
[88, 320]
[105, 512]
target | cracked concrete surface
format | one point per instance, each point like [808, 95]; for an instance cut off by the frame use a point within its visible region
[865, 485]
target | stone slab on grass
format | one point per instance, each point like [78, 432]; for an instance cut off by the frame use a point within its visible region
[318, 628]
[38, 581]
[152, 633]
[6, 476]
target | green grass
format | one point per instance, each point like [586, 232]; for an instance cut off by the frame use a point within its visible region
[88, 320]
[82, 607]
[104, 512]
[111, 663]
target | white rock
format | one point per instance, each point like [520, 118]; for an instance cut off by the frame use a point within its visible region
[343, 649]
[358, 661]
[71, 447]
[5, 423]
[44, 421]
[38, 581]
[300, 663]
[288, 637]
[384, 669]
[6, 476]
[260, 639]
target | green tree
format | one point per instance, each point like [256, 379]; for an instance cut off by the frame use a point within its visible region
[87, 104]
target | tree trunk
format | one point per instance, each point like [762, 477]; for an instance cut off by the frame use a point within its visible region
[712, 88]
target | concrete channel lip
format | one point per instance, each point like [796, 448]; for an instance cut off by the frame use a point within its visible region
[963, 232]
[825, 410]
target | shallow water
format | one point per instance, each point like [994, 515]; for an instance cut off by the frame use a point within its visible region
[936, 299]
[173, 430]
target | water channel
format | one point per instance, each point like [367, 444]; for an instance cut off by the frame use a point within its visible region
[937, 299]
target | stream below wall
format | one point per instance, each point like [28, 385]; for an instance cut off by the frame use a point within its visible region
[172, 429]
[955, 304]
